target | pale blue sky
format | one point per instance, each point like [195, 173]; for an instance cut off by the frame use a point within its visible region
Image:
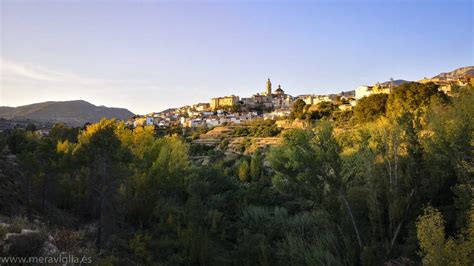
[151, 55]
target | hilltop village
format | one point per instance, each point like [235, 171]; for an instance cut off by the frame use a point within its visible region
[272, 104]
[269, 104]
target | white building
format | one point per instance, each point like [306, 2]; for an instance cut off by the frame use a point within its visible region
[363, 91]
[149, 121]
[314, 99]
[212, 122]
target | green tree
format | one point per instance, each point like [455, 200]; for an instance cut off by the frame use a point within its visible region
[298, 109]
[371, 107]
[243, 171]
[61, 132]
[322, 110]
[160, 167]
[435, 248]
[105, 160]
[414, 98]
[309, 165]
[256, 165]
[448, 150]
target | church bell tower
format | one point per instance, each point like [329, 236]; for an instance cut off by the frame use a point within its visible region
[269, 87]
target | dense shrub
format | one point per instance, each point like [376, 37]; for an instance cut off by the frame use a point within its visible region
[371, 107]
[26, 245]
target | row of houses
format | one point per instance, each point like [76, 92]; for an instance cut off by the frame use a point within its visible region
[270, 105]
[445, 85]
[275, 100]
[192, 118]
[276, 104]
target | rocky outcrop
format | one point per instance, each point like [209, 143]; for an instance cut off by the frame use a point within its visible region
[26, 243]
[457, 73]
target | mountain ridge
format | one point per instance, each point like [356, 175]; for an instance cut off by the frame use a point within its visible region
[74, 113]
[457, 73]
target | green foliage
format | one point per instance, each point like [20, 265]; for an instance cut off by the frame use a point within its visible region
[272, 236]
[343, 119]
[18, 224]
[61, 132]
[346, 192]
[140, 247]
[298, 109]
[294, 161]
[448, 150]
[414, 98]
[430, 232]
[197, 149]
[244, 171]
[265, 128]
[19, 141]
[306, 161]
[245, 144]
[256, 166]
[321, 110]
[26, 245]
[170, 156]
[312, 240]
[318, 111]
[3, 231]
[108, 261]
[224, 144]
[371, 107]
[435, 248]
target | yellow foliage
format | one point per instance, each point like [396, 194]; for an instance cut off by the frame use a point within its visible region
[139, 141]
[170, 157]
[435, 248]
[244, 169]
[84, 136]
[64, 147]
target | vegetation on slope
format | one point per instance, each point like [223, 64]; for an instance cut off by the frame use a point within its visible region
[389, 183]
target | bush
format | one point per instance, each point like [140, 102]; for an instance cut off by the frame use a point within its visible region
[3, 231]
[109, 260]
[414, 98]
[68, 240]
[371, 107]
[321, 110]
[140, 247]
[197, 149]
[258, 129]
[26, 245]
[224, 144]
[18, 224]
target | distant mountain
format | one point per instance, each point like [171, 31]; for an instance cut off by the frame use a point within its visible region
[5, 109]
[73, 113]
[396, 82]
[458, 73]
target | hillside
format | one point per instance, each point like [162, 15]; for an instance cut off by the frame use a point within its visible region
[397, 82]
[457, 73]
[5, 110]
[74, 113]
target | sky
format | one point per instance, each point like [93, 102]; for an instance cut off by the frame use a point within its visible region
[151, 55]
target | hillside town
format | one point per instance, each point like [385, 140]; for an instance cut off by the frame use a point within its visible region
[269, 104]
[273, 104]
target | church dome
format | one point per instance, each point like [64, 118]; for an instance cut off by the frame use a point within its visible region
[279, 90]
